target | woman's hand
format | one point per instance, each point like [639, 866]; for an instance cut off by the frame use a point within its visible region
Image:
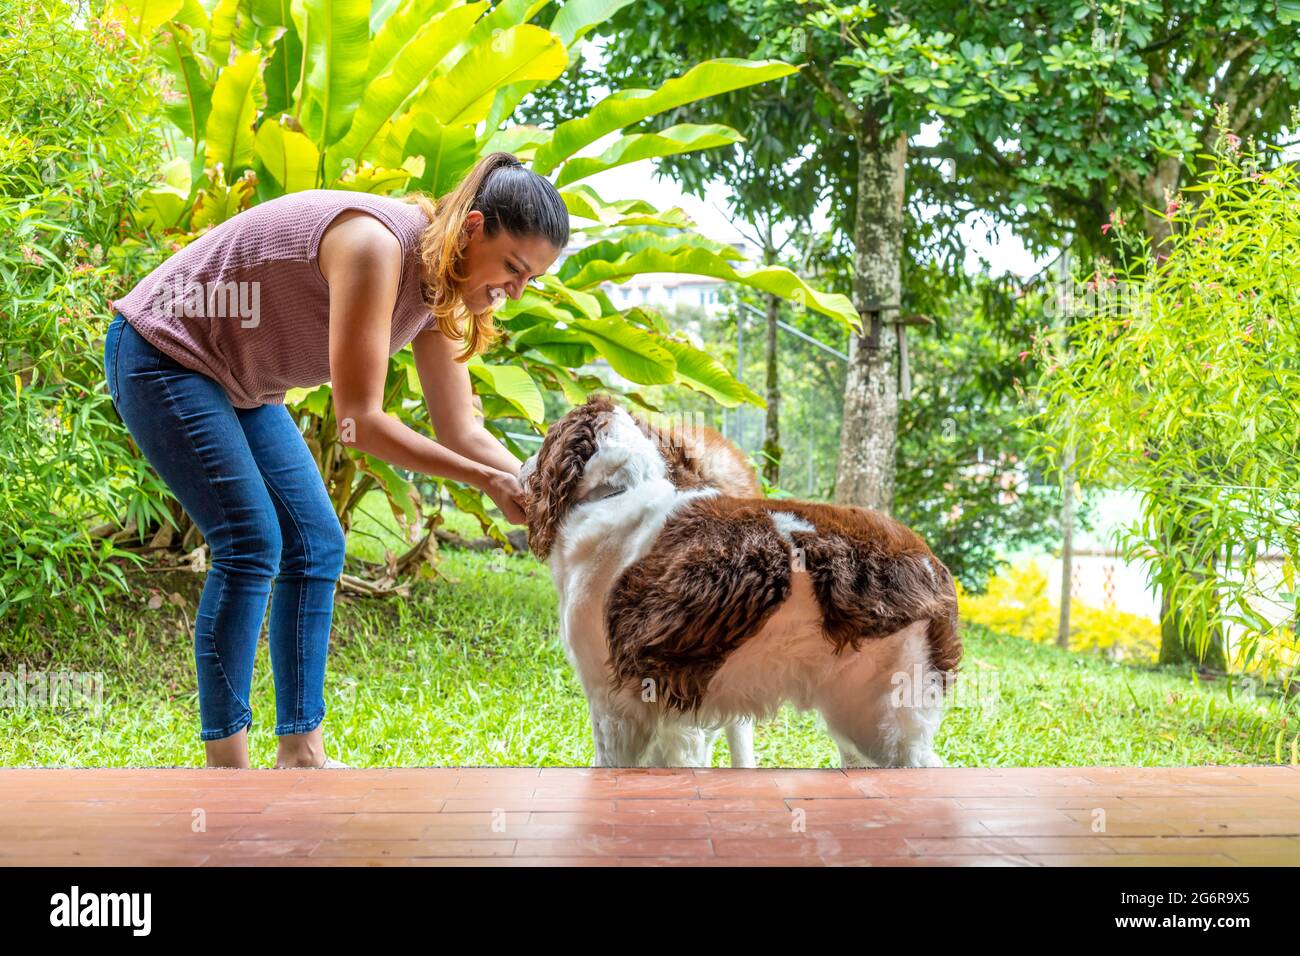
[505, 489]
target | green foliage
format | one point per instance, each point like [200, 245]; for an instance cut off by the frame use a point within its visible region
[76, 134]
[1125, 100]
[1179, 378]
[964, 478]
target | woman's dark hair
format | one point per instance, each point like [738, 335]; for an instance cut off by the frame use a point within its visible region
[526, 204]
[509, 196]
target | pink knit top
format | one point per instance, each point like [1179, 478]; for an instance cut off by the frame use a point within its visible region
[245, 303]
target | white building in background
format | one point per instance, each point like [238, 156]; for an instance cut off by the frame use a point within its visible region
[1100, 577]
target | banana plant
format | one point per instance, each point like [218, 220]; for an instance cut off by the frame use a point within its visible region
[275, 96]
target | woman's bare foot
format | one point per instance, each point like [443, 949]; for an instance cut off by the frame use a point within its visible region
[229, 751]
[301, 750]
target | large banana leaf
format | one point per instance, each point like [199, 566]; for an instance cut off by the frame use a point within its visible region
[464, 94]
[631, 352]
[403, 24]
[506, 14]
[633, 241]
[698, 370]
[190, 70]
[447, 151]
[585, 203]
[585, 303]
[510, 383]
[336, 40]
[146, 16]
[622, 109]
[222, 41]
[683, 138]
[574, 20]
[289, 156]
[284, 67]
[577, 18]
[520, 140]
[404, 54]
[560, 345]
[236, 99]
[774, 279]
[164, 206]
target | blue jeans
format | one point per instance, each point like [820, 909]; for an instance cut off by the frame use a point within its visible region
[247, 479]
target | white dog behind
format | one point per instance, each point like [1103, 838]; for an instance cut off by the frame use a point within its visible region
[690, 605]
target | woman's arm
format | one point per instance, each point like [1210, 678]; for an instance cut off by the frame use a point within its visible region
[446, 386]
[361, 260]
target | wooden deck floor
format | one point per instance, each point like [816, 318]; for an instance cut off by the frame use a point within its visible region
[1102, 816]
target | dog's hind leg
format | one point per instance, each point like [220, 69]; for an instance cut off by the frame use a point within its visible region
[881, 734]
[850, 758]
[740, 741]
[884, 709]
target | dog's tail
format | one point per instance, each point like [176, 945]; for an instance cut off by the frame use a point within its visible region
[945, 632]
[877, 578]
[697, 456]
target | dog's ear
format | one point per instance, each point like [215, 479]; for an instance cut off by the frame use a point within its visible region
[553, 484]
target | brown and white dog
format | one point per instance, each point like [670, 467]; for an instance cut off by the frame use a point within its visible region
[690, 604]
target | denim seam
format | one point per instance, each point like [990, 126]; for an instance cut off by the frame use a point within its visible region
[302, 593]
[221, 594]
[171, 402]
[117, 348]
[226, 731]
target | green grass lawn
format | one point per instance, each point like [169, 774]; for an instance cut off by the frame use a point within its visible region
[469, 671]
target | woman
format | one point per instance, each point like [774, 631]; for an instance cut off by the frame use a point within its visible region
[321, 285]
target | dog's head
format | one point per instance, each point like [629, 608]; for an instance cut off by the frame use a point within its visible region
[594, 451]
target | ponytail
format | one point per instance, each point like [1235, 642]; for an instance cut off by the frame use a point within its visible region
[509, 196]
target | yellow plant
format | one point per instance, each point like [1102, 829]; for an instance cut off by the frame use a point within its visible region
[1017, 603]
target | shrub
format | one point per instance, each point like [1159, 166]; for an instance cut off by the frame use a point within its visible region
[1017, 603]
[75, 144]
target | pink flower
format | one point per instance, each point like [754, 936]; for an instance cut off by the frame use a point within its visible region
[1172, 207]
[1105, 228]
[1233, 141]
[1023, 355]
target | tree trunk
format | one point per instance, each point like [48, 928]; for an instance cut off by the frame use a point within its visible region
[772, 419]
[1177, 642]
[869, 437]
[1158, 187]
[1067, 547]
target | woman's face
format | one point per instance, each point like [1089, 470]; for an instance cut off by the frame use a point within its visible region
[501, 265]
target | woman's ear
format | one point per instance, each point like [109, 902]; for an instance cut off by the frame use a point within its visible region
[472, 225]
